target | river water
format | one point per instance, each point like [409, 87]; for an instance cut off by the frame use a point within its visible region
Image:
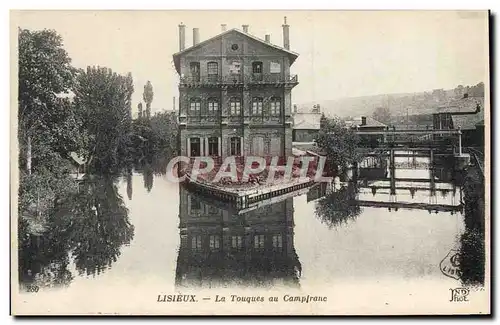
[149, 233]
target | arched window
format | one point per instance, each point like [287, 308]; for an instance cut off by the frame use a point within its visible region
[257, 103]
[195, 71]
[213, 106]
[213, 71]
[275, 107]
[194, 106]
[235, 106]
[257, 71]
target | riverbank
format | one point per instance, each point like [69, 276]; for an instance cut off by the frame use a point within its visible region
[472, 252]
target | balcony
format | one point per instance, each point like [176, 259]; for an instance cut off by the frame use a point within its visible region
[238, 80]
[203, 119]
[270, 79]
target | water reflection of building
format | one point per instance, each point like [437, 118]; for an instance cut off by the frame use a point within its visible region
[220, 246]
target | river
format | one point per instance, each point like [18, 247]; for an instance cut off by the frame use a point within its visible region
[149, 233]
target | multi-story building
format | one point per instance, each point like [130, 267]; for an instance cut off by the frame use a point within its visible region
[220, 245]
[235, 94]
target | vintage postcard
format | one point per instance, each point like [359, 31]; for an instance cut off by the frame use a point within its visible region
[250, 163]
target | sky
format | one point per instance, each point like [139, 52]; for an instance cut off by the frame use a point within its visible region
[341, 53]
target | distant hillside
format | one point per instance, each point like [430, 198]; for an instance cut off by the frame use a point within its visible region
[416, 103]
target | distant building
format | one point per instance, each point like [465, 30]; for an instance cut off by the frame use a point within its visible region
[366, 123]
[465, 114]
[306, 124]
[235, 94]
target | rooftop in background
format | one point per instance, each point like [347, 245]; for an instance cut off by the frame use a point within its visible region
[369, 122]
[465, 105]
[306, 120]
[468, 104]
[449, 106]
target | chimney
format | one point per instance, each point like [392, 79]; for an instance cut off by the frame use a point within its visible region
[245, 28]
[173, 107]
[363, 120]
[268, 38]
[223, 27]
[196, 36]
[295, 108]
[286, 35]
[182, 37]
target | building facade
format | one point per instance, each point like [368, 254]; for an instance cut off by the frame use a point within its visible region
[306, 124]
[220, 245]
[235, 94]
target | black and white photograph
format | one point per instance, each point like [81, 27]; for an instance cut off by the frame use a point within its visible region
[250, 162]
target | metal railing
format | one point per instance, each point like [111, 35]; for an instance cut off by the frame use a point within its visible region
[239, 79]
[478, 158]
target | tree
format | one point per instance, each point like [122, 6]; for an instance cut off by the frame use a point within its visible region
[139, 109]
[104, 98]
[338, 207]
[47, 121]
[148, 98]
[459, 91]
[155, 139]
[382, 114]
[338, 142]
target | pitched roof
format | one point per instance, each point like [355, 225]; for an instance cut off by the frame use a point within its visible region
[469, 121]
[460, 105]
[457, 107]
[370, 122]
[292, 55]
[306, 121]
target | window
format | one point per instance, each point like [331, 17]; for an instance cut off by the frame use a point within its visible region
[277, 241]
[195, 70]
[258, 241]
[195, 203]
[214, 242]
[235, 67]
[195, 106]
[235, 146]
[275, 108]
[195, 147]
[257, 67]
[257, 106]
[213, 106]
[234, 47]
[213, 71]
[275, 67]
[237, 242]
[213, 146]
[235, 106]
[196, 243]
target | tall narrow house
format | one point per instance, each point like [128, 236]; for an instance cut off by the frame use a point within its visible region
[235, 94]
